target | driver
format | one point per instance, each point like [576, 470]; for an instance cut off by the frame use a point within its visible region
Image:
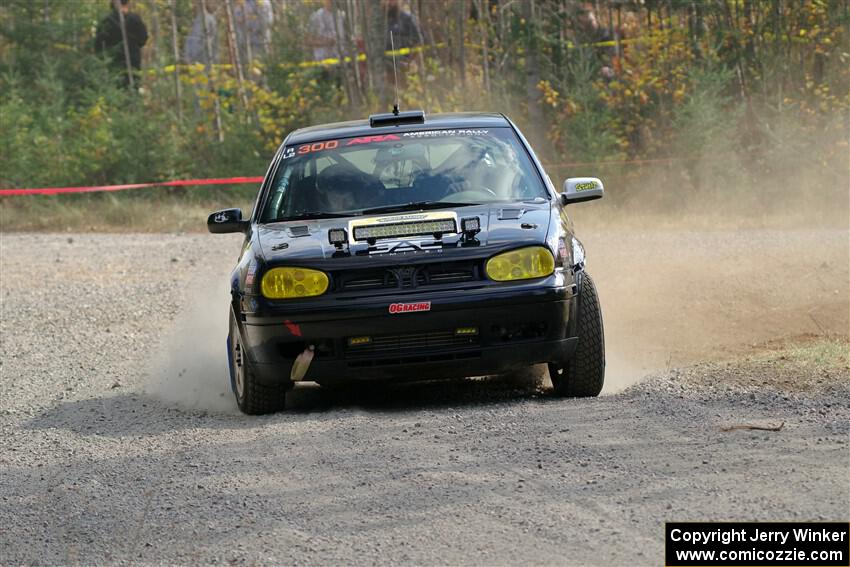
[341, 188]
[398, 165]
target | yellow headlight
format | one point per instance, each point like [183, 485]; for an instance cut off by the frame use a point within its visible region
[521, 264]
[293, 283]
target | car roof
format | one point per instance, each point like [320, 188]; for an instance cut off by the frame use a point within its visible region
[432, 122]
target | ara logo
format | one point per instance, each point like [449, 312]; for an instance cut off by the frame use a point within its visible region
[409, 307]
[370, 139]
[221, 217]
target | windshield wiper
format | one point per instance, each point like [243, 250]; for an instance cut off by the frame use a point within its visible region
[416, 206]
[306, 215]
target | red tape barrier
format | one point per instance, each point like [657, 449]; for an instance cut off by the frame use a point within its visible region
[98, 188]
[245, 180]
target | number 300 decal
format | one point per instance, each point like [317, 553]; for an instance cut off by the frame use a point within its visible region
[317, 147]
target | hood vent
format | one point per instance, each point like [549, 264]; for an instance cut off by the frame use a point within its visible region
[510, 214]
[300, 231]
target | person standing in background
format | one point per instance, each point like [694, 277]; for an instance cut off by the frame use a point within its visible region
[253, 21]
[109, 41]
[402, 32]
[194, 48]
[596, 40]
[323, 37]
[403, 25]
[204, 30]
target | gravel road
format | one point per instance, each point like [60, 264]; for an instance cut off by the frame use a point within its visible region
[119, 443]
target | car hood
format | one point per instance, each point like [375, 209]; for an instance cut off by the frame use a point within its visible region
[501, 224]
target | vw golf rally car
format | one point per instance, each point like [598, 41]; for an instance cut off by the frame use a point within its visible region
[409, 247]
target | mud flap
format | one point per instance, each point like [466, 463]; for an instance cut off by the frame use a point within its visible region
[575, 306]
[230, 366]
[301, 364]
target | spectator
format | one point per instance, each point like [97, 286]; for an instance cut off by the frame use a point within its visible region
[109, 41]
[589, 33]
[324, 32]
[403, 25]
[253, 22]
[195, 49]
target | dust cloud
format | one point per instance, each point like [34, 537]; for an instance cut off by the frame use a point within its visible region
[687, 275]
[190, 368]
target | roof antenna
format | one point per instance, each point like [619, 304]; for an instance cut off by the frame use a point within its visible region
[395, 74]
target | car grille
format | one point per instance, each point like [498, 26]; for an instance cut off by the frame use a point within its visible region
[410, 343]
[407, 277]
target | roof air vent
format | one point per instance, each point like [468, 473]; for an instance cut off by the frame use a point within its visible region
[396, 119]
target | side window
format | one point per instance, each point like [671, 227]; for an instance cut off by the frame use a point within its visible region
[322, 163]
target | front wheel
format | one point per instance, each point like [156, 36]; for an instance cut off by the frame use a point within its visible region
[584, 374]
[252, 397]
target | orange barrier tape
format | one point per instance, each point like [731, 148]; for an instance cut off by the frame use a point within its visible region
[247, 180]
[99, 188]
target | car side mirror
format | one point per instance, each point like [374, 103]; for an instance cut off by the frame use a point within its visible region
[227, 220]
[579, 189]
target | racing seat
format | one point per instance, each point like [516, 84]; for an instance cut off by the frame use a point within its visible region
[304, 197]
[342, 187]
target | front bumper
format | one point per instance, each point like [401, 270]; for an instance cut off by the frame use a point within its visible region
[514, 328]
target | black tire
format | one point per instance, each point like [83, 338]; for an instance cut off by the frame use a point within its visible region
[584, 374]
[252, 397]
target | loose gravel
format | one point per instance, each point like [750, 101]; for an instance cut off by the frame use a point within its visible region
[119, 443]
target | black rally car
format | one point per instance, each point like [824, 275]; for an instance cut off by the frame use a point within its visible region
[409, 247]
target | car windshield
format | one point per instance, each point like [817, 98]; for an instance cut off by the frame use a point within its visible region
[408, 170]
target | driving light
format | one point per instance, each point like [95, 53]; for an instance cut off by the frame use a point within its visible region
[471, 225]
[399, 230]
[293, 283]
[337, 236]
[521, 264]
